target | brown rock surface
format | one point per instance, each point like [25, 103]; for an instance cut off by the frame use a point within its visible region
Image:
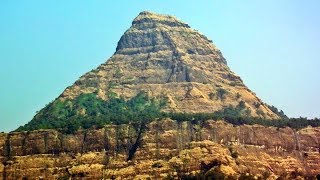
[168, 149]
[166, 58]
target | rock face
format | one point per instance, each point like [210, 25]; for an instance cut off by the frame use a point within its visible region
[166, 58]
[167, 148]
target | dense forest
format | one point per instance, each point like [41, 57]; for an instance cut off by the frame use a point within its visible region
[89, 111]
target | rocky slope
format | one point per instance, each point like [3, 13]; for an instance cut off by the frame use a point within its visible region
[166, 148]
[170, 61]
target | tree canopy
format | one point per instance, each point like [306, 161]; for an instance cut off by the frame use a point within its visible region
[88, 110]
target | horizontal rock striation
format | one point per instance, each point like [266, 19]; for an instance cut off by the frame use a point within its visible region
[165, 148]
[164, 57]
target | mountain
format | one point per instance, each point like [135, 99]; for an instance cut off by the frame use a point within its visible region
[155, 110]
[167, 60]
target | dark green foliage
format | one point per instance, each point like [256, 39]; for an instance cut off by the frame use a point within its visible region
[257, 104]
[112, 85]
[277, 112]
[221, 93]
[87, 110]
[238, 116]
[118, 74]
[211, 95]
[260, 112]
[111, 94]
[241, 105]
[238, 95]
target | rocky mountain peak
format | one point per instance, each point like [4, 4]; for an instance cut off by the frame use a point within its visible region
[152, 32]
[149, 18]
[125, 120]
[170, 62]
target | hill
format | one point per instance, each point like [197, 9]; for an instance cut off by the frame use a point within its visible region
[174, 67]
[164, 106]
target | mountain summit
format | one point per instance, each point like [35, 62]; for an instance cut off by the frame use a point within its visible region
[164, 106]
[169, 61]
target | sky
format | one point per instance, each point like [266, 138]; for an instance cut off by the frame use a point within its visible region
[45, 46]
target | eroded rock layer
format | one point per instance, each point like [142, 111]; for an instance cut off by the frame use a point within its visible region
[165, 148]
[166, 58]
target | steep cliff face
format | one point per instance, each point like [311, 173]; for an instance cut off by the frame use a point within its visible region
[171, 62]
[167, 60]
[164, 148]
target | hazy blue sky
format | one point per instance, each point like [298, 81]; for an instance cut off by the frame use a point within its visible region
[46, 45]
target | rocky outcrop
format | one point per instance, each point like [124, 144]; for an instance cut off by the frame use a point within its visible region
[164, 57]
[169, 61]
[164, 148]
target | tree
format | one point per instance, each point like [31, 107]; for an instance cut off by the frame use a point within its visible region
[221, 93]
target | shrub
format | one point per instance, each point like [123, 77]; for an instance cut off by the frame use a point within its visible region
[221, 93]
[260, 112]
[238, 95]
[276, 111]
[211, 95]
[241, 105]
[118, 74]
[256, 104]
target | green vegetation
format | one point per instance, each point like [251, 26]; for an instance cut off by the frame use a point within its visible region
[277, 112]
[257, 104]
[221, 93]
[233, 84]
[260, 112]
[238, 116]
[241, 105]
[89, 111]
[211, 95]
[118, 74]
[238, 95]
